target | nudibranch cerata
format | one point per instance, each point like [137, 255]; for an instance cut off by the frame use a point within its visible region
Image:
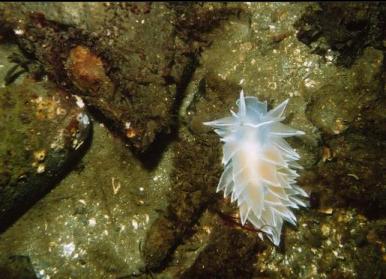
[260, 168]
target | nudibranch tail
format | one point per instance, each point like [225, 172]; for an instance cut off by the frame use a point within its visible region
[259, 165]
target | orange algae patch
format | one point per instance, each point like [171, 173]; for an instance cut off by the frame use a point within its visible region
[86, 68]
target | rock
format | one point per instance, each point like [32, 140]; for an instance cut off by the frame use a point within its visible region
[197, 165]
[93, 223]
[76, 14]
[342, 94]
[17, 267]
[135, 89]
[324, 246]
[347, 110]
[43, 133]
[194, 179]
[157, 214]
[353, 176]
[229, 253]
[360, 25]
[137, 71]
[217, 248]
[260, 53]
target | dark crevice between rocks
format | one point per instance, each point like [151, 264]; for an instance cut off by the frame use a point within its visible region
[153, 154]
[151, 157]
[196, 20]
[25, 64]
[194, 179]
[351, 173]
[60, 42]
[353, 177]
[37, 191]
[196, 170]
[6, 29]
[346, 28]
[231, 253]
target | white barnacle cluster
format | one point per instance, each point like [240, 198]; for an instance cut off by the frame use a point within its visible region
[260, 166]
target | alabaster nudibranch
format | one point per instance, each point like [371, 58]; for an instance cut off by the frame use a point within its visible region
[259, 165]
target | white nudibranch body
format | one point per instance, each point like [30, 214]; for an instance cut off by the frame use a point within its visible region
[259, 165]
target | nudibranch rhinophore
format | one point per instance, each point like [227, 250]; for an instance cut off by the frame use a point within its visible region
[259, 165]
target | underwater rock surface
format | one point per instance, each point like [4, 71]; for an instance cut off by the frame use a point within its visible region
[42, 133]
[272, 64]
[343, 244]
[112, 59]
[148, 69]
[356, 26]
[93, 223]
[17, 267]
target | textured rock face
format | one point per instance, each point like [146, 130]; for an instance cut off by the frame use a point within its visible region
[342, 96]
[43, 131]
[124, 59]
[16, 267]
[144, 70]
[327, 101]
[356, 26]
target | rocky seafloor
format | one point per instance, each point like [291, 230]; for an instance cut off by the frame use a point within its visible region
[106, 170]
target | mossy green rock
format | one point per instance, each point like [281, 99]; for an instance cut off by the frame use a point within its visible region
[42, 132]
